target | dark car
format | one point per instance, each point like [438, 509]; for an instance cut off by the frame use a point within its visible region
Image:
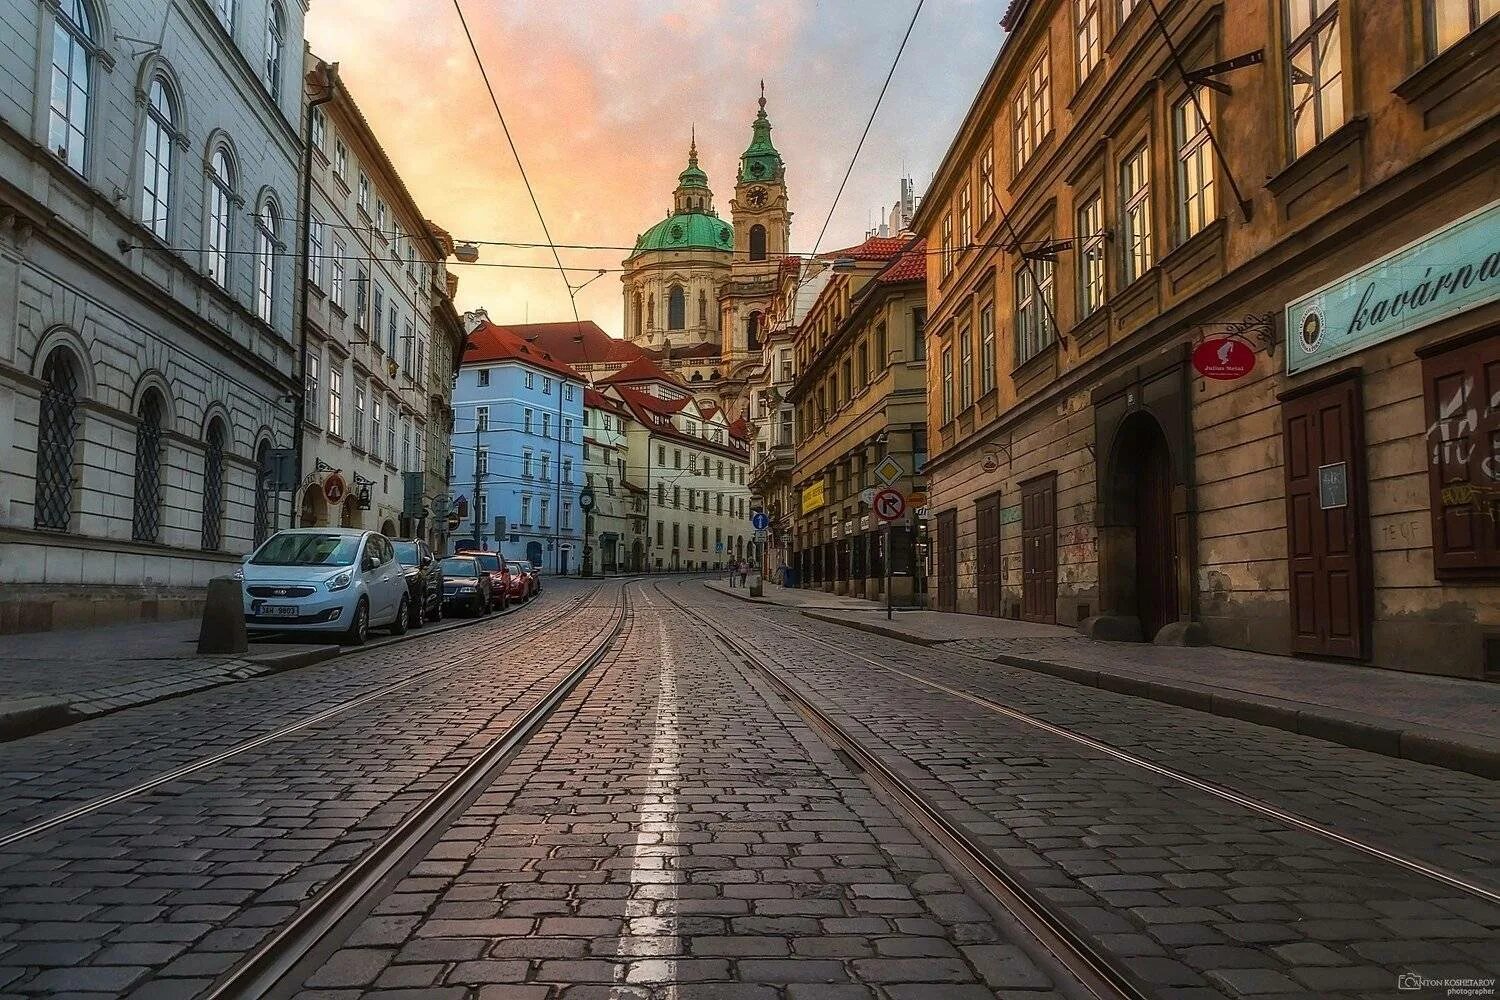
[522, 587]
[492, 564]
[424, 580]
[466, 587]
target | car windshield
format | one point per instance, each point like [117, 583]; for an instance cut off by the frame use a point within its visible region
[460, 567]
[407, 553]
[307, 548]
[488, 562]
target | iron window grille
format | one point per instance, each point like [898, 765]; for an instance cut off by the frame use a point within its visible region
[213, 488]
[146, 515]
[57, 430]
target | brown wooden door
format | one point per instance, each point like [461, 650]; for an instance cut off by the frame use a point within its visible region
[1155, 542]
[1039, 550]
[987, 551]
[947, 561]
[1325, 504]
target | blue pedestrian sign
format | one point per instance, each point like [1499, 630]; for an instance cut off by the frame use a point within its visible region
[760, 520]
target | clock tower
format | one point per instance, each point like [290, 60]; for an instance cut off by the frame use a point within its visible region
[762, 218]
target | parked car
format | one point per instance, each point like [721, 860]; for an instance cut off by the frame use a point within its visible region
[536, 575]
[325, 580]
[466, 587]
[492, 564]
[521, 584]
[424, 579]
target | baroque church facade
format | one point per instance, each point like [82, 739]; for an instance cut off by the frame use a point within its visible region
[697, 288]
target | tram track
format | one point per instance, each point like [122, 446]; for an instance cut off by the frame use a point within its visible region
[507, 641]
[1286, 817]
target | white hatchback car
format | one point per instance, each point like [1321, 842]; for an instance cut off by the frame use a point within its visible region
[325, 580]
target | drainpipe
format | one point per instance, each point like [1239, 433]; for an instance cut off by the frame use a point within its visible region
[324, 79]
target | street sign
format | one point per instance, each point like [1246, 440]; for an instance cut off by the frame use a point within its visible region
[867, 495]
[718, 546]
[889, 505]
[281, 469]
[411, 496]
[888, 471]
[760, 520]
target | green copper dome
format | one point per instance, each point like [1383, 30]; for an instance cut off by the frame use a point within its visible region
[761, 161]
[693, 176]
[687, 231]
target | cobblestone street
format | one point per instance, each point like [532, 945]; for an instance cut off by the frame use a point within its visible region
[638, 790]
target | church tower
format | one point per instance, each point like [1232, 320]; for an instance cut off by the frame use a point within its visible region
[759, 210]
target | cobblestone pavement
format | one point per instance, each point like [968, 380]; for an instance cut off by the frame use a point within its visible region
[677, 832]
[1197, 896]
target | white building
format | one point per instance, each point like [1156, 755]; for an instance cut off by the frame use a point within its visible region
[382, 335]
[149, 155]
[615, 528]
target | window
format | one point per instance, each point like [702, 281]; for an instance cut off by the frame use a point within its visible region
[987, 349]
[310, 404]
[676, 308]
[677, 497]
[335, 401]
[341, 160]
[1032, 112]
[757, 242]
[359, 416]
[481, 418]
[661, 455]
[862, 355]
[546, 468]
[220, 198]
[1135, 214]
[483, 376]
[568, 392]
[317, 127]
[261, 515]
[315, 252]
[72, 49]
[965, 217]
[57, 429]
[567, 515]
[1195, 165]
[947, 384]
[676, 534]
[525, 508]
[567, 434]
[530, 381]
[1127, 7]
[380, 218]
[225, 10]
[692, 499]
[546, 386]
[546, 425]
[390, 436]
[1086, 16]
[481, 508]
[567, 471]
[546, 503]
[660, 533]
[987, 184]
[375, 430]
[364, 193]
[1450, 20]
[1091, 254]
[1033, 308]
[146, 505]
[336, 283]
[213, 486]
[1315, 72]
[919, 334]
[965, 369]
[1462, 423]
[661, 494]
[676, 458]
[526, 464]
[376, 313]
[690, 536]
[947, 250]
[391, 319]
[156, 149]
[265, 261]
[526, 420]
[275, 45]
[409, 347]
[482, 461]
[361, 286]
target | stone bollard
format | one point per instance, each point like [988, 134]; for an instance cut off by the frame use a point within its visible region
[755, 586]
[223, 627]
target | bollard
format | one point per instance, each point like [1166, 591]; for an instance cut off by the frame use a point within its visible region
[223, 626]
[755, 586]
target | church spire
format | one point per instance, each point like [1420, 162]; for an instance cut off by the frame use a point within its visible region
[761, 161]
[692, 194]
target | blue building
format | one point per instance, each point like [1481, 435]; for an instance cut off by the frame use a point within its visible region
[518, 450]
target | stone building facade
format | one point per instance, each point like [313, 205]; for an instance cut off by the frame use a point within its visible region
[146, 309]
[1209, 364]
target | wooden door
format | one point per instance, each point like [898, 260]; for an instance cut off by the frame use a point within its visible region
[987, 549]
[1327, 565]
[1039, 549]
[1155, 541]
[947, 561]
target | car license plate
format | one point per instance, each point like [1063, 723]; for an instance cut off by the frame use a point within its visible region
[279, 611]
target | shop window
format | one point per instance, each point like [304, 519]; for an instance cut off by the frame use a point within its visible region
[1462, 388]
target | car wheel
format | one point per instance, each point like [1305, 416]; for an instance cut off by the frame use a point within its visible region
[403, 616]
[359, 628]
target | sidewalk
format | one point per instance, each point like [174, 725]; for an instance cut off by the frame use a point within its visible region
[1437, 720]
[53, 679]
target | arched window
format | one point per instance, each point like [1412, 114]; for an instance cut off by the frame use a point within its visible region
[146, 519]
[651, 312]
[702, 308]
[637, 303]
[265, 261]
[57, 429]
[72, 78]
[213, 486]
[275, 45]
[676, 308]
[752, 332]
[757, 242]
[262, 527]
[220, 199]
[156, 149]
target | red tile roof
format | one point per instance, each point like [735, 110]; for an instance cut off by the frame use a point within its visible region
[874, 248]
[495, 343]
[910, 266]
[739, 429]
[576, 343]
[595, 399]
[640, 370]
[656, 414]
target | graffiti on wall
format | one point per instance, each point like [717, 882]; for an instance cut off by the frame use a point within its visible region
[1453, 441]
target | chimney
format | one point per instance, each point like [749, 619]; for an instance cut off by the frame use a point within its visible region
[475, 318]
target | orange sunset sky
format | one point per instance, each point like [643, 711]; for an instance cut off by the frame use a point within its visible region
[600, 96]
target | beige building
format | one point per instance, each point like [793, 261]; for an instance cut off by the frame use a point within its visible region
[860, 401]
[1206, 360]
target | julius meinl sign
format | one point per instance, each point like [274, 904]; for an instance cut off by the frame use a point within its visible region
[1445, 272]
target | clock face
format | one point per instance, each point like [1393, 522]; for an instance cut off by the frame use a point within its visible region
[757, 168]
[758, 197]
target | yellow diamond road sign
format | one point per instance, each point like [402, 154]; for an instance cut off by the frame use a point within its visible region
[888, 471]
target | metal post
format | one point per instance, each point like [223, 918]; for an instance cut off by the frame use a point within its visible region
[474, 505]
[889, 555]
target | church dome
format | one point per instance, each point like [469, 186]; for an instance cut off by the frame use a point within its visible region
[687, 231]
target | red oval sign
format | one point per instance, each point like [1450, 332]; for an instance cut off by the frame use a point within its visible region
[1223, 358]
[334, 488]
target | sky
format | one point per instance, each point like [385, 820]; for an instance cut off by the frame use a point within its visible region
[600, 96]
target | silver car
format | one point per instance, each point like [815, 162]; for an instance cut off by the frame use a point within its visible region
[325, 580]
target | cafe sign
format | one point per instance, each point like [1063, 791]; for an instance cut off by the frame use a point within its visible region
[812, 497]
[1442, 274]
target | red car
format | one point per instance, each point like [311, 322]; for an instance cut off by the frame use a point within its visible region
[491, 563]
[522, 584]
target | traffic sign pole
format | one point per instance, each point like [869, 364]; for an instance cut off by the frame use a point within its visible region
[888, 555]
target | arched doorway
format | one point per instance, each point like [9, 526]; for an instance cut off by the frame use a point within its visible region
[349, 515]
[534, 553]
[388, 529]
[314, 511]
[637, 556]
[1141, 494]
